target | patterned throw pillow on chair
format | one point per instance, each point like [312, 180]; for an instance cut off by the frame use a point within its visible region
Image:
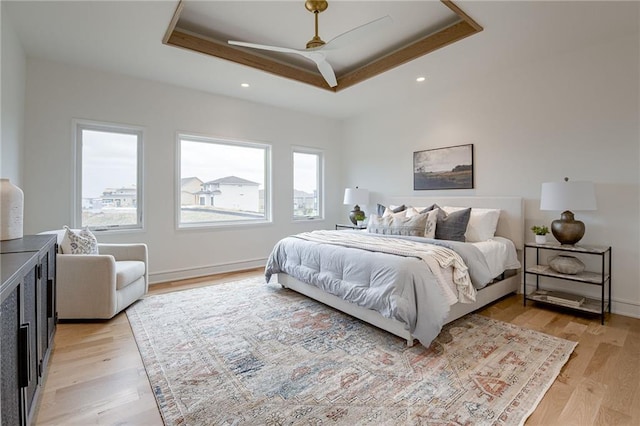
[82, 242]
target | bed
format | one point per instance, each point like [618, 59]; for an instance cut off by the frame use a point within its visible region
[426, 290]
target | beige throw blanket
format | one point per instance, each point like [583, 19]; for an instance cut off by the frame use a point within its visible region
[437, 258]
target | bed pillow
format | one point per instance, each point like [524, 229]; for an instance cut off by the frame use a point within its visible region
[482, 223]
[81, 242]
[398, 224]
[382, 210]
[394, 210]
[427, 209]
[432, 220]
[452, 226]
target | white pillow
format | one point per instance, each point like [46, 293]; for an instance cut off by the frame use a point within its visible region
[82, 242]
[432, 220]
[389, 212]
[482, 223]
[411, 211]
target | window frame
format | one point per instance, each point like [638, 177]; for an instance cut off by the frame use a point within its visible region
[194, 137]
[320, 163]
[138, 131]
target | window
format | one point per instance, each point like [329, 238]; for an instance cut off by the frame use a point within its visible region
[108, 176]
[222, 182]
[307, 183]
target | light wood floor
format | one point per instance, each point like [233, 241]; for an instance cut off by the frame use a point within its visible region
[96, 374]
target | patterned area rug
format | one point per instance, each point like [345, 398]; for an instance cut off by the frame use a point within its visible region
[250, 353]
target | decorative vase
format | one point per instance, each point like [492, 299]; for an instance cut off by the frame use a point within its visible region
[567, 230]
[541, 239]
[11, 210]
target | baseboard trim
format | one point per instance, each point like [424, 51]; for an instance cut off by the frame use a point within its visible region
[626, 308]
[202, 271]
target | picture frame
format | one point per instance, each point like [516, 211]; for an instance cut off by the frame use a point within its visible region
[443, 168]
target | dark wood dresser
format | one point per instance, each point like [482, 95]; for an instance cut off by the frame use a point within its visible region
[28, 323]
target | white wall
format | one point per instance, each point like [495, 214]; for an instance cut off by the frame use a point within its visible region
[572, 115]
[13, 98]
[58, 93]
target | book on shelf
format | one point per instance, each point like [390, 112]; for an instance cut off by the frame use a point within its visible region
[562, 298]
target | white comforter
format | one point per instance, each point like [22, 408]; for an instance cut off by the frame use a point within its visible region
[437, 258]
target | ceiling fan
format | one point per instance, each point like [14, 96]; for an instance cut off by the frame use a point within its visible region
[316, 47]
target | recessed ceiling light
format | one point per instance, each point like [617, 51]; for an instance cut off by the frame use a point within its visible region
[245, 85]
[420, 79]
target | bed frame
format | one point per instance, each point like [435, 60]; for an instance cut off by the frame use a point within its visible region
[510, 225]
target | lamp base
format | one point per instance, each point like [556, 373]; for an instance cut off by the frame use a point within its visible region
[567, 230]
[356, 214]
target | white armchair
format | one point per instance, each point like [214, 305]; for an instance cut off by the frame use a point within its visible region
[98, 286]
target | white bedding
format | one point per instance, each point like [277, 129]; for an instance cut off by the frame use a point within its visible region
[500, 254]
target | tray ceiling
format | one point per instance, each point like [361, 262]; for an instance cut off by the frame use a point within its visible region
[417, 29]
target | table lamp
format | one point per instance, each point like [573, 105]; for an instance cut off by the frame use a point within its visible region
[356, 196]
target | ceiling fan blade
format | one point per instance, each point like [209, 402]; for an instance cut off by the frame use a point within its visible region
[356, 33]
[324, 67]
[318, 57]
[327, 72]
[265, 47]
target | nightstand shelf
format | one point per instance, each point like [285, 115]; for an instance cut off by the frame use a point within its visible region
[601, 278]
[589, 304]
[584, 277]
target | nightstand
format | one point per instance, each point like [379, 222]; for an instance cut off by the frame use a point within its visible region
[350, 226]
[571, 299]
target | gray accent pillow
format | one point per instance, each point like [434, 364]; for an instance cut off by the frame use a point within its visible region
[398, 225]
[452, 226]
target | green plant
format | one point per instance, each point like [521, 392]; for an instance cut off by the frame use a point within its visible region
[540, 230]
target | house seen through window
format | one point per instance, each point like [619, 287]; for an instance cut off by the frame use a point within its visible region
[109, 176]
[222, 182]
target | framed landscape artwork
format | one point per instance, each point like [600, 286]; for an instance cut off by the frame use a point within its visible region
[443, 168]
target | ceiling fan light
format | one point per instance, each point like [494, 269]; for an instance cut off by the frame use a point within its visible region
[244, 84]
[420, 79]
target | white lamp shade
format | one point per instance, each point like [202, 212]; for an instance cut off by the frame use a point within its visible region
[356, 196]
[567, 195]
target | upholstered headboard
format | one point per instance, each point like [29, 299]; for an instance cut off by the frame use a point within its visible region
[510, 224]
